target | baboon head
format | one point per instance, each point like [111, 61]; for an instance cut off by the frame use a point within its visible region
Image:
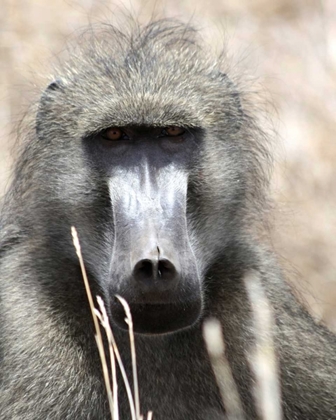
[143, 144]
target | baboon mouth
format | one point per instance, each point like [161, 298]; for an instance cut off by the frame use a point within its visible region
[159, 318]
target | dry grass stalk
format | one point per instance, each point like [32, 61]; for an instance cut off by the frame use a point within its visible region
[213, 337]
[129, 322]
[113, 346]
[263, 359]
[98, 336]
[101, 316]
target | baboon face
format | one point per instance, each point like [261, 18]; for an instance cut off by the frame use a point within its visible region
[152, 261]
[141, 144]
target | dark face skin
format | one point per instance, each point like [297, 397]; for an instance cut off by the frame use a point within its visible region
[152, 264]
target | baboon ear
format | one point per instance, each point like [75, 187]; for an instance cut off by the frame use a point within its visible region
[46, 101]
[234, 113]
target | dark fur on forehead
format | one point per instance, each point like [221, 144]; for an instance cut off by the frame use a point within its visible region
[109, 50]
[161, 69]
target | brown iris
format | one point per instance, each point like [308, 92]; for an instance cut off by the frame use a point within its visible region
[174, 131]
[113, 133]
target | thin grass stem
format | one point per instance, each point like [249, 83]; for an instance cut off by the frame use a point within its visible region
[104, 320]
[213, 337]
[129, 322]
[263, 359]
[98, 336]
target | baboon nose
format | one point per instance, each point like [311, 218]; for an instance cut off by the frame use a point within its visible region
[155, 274]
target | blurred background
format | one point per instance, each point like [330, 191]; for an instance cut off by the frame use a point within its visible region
[289, 45]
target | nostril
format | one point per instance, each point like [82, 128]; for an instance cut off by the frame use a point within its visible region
[143, 270]
[166, 270]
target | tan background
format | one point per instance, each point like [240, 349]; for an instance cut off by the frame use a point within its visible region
[289, 44]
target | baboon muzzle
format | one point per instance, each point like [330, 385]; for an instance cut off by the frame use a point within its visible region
[153, 265]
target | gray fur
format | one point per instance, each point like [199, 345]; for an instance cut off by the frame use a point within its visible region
[159, 75]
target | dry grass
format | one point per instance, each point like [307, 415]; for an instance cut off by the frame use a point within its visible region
[262, 357]
[213, 337]
[263, 360]
[109, 372]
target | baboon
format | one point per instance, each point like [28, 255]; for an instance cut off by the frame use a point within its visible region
[147, 145]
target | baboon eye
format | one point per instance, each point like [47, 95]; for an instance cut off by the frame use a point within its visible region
[173, 131]
[113, 133]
